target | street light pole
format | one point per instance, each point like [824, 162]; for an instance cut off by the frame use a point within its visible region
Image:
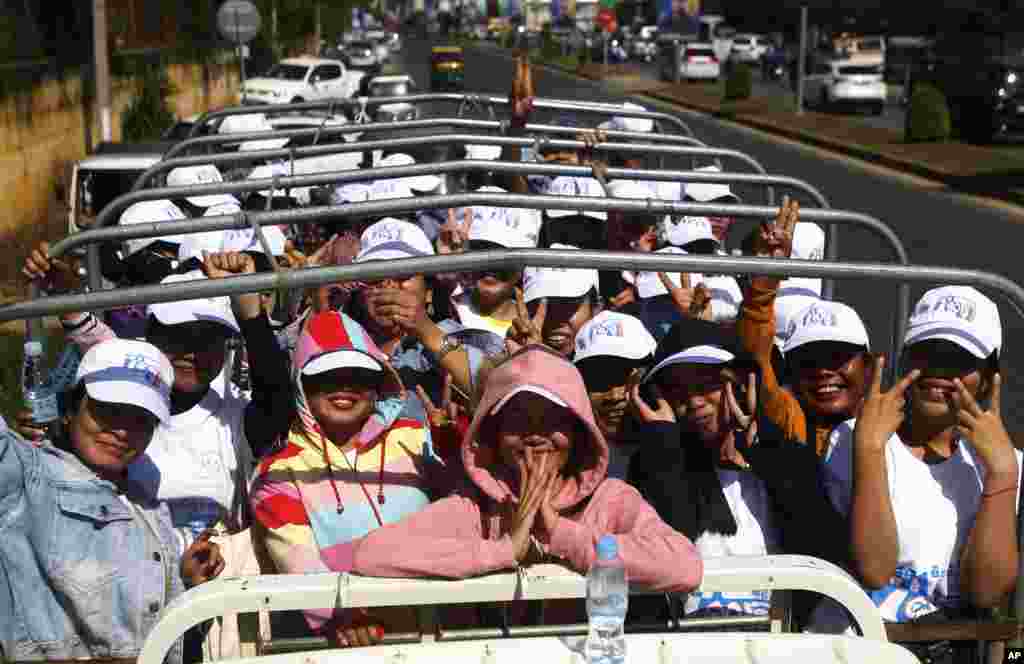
[102, 68]
[801, 62]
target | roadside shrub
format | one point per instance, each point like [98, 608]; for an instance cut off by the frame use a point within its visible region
[740, 83]
[147, 116]
[927, 115]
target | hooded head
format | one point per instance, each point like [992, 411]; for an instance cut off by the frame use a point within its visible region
[334, 344]
[534, 373]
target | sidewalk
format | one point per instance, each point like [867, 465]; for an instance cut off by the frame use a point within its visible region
[995, 171]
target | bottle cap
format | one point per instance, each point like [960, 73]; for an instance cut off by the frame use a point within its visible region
[33, 348]
[607, 548]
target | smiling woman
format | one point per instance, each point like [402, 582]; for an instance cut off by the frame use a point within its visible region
[100, 556]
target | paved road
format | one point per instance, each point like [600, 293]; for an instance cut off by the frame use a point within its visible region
[937, 227]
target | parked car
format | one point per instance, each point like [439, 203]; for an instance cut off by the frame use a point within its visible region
[697, 62]
[361, 55]
[982, 77]
[393, 86]
[381, 44]
[749, 48]
[302, 79]
[854, 82]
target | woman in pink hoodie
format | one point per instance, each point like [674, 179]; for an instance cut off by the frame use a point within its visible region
[538, 461]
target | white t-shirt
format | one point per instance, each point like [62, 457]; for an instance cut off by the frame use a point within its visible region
[199, 462]
[756, 535]
[934, 505]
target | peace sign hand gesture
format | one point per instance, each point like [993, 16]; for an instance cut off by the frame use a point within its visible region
[985, 428]
[692, 302]
[881, 414]
[526, 329]
[742, 418]
[448, 413]
[775, 239]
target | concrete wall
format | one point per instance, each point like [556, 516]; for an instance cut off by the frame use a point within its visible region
[42, 133]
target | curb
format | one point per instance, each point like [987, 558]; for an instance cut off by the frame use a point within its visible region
[858, 152]
[864, 154]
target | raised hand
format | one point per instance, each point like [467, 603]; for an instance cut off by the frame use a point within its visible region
[534, 480]
[527, 329]
[985, 428]
[202, 561]
[775, 239]
[454, 234]
[448, 413]
[881, 414]
[229, 264]
[521, 96]
[742, 417]
[404, 309]
[661, 413]
[691, 302]
[53, 274]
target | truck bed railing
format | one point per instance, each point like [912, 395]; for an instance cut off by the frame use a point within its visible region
[288, 592]
[425, 123]
[464, 100]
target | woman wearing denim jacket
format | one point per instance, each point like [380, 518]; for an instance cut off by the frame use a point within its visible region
[87, 565]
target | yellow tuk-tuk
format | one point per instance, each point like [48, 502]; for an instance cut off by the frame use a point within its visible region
[447, 68]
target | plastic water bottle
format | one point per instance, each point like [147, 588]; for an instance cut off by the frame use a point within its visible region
[607, 601]
[40, 398]
[240, 370]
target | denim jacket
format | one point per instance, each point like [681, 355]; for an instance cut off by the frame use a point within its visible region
[85, 571]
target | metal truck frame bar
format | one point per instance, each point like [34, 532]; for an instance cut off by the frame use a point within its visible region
[286, 592]
[425, 123]
[168, 164]
[398, 206]
[464, 100]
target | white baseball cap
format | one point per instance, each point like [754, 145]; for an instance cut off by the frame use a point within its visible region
[245, 239]
[267, 172]
[483, 152]
[566, 185]
[264, 144]
[341, 359]
[354, 192]
[511, 228]
[541, 282]
[393, 238]
[145, 212]
[631, 189]
[417, 182]
[826, 321]
[383, 190]
[620, 123]
[959, 314]
[690, 229]
[245, 123]
[702, 192]
[129, 372]
[692, 355]
[648, 284]
[611, 334]
[211, 309]
[185, 176]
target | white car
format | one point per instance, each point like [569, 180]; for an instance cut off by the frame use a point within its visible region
[856, 81]
[393, 86]
[302, 79]
[749, 48]
[361, 54]
[697, 62]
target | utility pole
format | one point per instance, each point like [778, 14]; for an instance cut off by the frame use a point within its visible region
[102, 68]
[273, 31]
[801, 62]
[319, 28]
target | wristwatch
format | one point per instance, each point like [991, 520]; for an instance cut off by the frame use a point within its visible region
[447, 346]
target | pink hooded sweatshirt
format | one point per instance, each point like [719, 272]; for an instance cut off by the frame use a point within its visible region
[460, 536]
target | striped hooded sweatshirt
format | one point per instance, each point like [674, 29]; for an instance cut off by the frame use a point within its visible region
[463, 535]
[315, 497]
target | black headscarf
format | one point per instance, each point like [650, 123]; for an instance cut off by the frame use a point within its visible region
[705, 508]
